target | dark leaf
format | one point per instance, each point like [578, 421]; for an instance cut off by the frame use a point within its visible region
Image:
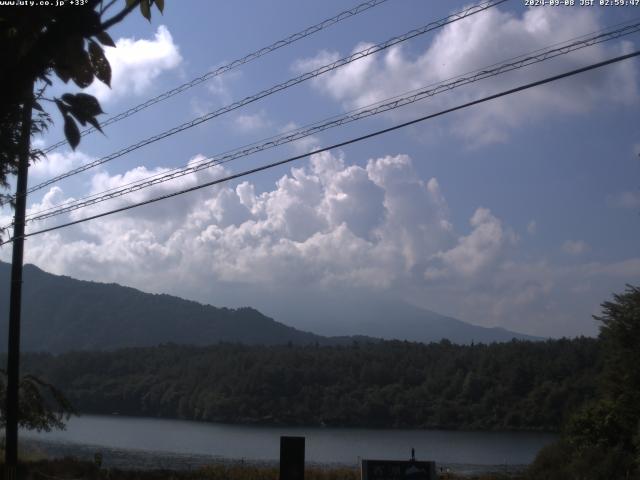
[62, 107]
[82, 71]
[62, 73]
[95, 124]
[145, 8]
[69, 98]
[160, 5]
[83, 107]
[101, 67]
[72, 61]
[105, 39]
[88, 103]
[37, 106]
[71, 131]
[130, 3]
[83, 77]
[35, 155]
[79, 117]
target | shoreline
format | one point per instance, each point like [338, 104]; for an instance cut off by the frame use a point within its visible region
[275, 424]
[315, 426]
[137, 459]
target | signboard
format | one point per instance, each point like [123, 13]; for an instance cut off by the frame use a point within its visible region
[398, 470]
[291, 458]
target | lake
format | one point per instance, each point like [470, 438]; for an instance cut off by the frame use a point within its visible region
[323, 445]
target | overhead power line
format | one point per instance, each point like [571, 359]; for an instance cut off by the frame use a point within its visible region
[337, 145]
[374, 109]
[276, 88]
[230, 66]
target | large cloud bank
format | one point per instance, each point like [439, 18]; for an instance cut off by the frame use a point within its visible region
[326, 226]
[327, 223]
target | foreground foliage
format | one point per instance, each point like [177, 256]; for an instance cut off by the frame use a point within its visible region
[46, 44]
[516, 385]
[601, 441]
[41, 407]
[70, 468]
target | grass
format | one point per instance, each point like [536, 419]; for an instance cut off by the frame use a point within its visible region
[73, 469]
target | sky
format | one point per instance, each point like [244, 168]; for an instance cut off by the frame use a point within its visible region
[522, 212]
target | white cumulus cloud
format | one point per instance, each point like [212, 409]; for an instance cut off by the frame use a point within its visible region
[135, 64]
[479, 41]
[327, 223]
[56, 163]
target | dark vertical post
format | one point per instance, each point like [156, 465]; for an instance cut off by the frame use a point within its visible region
[13, 357]
[291, 458]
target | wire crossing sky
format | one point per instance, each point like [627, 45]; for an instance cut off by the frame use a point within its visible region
[344, 15]
[338, 145]
[384, 106]
[499, 214]
[279, 87]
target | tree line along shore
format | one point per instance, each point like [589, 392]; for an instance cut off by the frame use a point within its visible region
[518, 385]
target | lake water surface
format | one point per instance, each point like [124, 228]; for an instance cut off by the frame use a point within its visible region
[323, 445]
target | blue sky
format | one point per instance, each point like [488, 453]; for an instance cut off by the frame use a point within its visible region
[521, 213]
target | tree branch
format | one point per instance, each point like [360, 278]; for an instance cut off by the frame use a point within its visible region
[120, 16]
[104, 8]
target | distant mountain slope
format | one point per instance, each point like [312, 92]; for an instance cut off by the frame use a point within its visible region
[61, 314]
[421, 325]
[384, 318]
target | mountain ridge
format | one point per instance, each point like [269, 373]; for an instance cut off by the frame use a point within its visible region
[60, 313]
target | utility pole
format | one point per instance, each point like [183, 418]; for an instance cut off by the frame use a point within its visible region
[13, 357]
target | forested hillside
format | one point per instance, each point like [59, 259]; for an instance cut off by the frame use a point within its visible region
[62, 314]
[516, 385]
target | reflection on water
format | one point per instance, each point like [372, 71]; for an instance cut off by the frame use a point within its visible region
[323, 445]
